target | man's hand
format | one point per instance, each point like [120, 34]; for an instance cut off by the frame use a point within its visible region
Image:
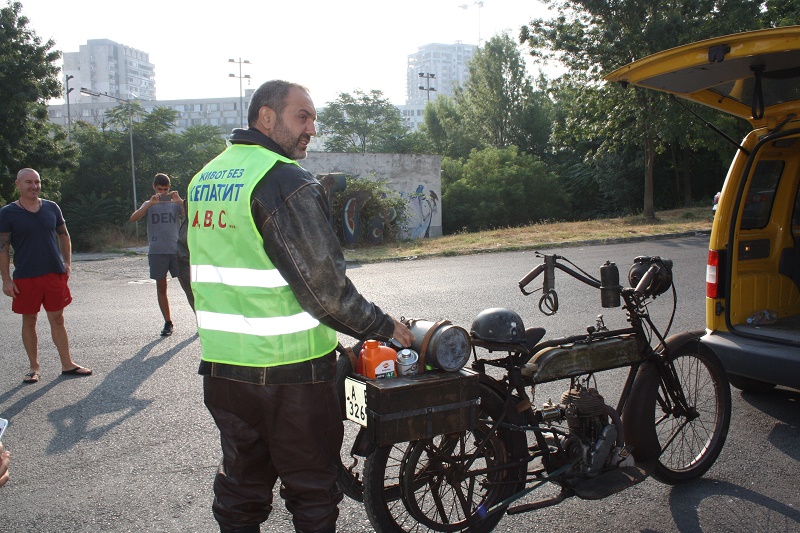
[10, 288]
[402, 334]
[5, 459]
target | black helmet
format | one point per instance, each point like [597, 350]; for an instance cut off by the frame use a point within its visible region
[498, 325]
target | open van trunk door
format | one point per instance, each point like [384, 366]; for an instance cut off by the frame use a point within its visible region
[753, 75]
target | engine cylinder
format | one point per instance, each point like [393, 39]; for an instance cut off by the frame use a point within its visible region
[589, 405]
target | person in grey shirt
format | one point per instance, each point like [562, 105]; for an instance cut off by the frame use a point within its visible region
[164, 211]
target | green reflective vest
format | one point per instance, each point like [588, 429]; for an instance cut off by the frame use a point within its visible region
[246, 313]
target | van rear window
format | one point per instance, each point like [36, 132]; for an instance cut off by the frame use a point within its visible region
[796, 211]
[760, 194]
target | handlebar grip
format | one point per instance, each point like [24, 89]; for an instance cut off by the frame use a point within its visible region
[644, 283]
[530, 276]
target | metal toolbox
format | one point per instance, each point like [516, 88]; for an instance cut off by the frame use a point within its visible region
[417, 407]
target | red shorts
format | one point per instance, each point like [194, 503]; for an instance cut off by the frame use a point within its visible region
[50, 291]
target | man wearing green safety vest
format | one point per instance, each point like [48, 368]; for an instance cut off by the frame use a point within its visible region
[270, 291]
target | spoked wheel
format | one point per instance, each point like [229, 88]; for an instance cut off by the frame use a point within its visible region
[437, 484]
[691, 441]
[447, 486]
[382, 500]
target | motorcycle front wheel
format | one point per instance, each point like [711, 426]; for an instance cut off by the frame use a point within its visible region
[691, 442]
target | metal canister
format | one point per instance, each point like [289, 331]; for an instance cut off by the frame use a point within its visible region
[407, 361]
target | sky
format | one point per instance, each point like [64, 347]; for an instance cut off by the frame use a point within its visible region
[329, 46]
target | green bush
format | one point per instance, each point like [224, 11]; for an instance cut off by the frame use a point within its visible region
[501, 188]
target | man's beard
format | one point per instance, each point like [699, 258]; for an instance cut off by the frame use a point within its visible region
[288, 142]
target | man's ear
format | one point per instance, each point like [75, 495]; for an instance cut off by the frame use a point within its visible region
[267, 118]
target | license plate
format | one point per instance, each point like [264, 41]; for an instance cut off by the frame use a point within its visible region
[355, 394]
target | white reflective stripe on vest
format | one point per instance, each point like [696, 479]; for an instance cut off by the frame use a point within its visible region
[238, 277]
[262, 327]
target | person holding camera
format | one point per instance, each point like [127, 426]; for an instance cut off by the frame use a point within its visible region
[164, 212]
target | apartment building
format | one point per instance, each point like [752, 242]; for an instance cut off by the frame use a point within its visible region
[104, 66]
[434, 69]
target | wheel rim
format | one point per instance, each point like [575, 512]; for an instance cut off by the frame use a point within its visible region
[685, 437]
[444, 485]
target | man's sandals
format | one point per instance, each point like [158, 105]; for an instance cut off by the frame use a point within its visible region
[77, 371]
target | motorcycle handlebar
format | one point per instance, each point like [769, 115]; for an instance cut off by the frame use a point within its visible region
[548, 267]
[530, 276]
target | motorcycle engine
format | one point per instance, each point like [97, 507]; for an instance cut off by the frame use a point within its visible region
[592, 439]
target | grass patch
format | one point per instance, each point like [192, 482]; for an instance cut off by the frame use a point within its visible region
[550, 234]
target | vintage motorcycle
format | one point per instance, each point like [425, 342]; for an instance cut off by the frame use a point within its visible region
[670, 421]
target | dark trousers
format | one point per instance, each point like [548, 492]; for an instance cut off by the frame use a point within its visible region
[293, 432]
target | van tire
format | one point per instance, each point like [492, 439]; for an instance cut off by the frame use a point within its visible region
[749, 385]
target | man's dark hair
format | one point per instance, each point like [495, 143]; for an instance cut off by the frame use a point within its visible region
[271, 94]
[161, 180]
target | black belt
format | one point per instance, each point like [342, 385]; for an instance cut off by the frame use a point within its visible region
[316, 370]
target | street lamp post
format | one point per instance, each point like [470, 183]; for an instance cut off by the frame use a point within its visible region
[478, 3]
[69, 117]
[428, 77]
[246, 76]
[130, 132]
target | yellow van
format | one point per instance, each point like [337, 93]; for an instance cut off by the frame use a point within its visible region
[753, 271]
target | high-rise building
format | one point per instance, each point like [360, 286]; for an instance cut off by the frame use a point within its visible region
[104, 66]
[434, 69]
[437, 69]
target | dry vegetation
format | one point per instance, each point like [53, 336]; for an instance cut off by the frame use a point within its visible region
[544, 235]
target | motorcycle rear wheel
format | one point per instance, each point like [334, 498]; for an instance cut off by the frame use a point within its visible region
[410, 487]
[691, 444]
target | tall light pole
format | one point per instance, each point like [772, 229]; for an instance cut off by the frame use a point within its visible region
[478, 3]
[246, 76]
[130, 132]
[428, 77]
[69, 117]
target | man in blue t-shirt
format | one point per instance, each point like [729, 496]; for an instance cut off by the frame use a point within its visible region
[35, 228]
[164, 211]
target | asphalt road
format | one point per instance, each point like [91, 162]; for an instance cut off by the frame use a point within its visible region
[132, 448]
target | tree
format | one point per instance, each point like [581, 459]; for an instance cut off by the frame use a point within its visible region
[592, 37]
[500, 187]
[364, 123]
[498, 103]
[781, 13]
[100, 193]
[444, 126]
[28, 79]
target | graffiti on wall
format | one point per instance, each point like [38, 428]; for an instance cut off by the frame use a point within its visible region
[421, 210]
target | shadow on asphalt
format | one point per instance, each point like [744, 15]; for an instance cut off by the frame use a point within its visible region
[751, 510]
[113, 396]
[784, 405]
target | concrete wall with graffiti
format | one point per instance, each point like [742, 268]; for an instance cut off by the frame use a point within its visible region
[417, 178]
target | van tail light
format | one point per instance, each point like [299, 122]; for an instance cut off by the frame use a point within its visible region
[712, 275]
